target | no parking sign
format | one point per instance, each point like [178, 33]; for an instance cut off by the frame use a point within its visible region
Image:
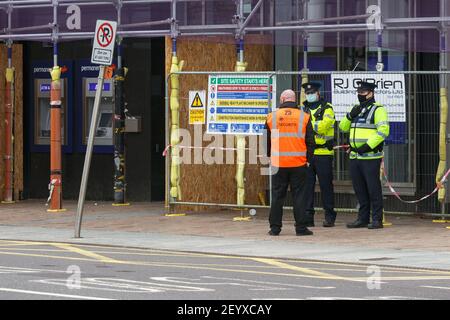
[104, 41]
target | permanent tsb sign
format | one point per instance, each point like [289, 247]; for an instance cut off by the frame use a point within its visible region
[390, 92]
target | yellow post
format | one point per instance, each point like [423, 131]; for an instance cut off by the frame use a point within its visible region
[175, 190]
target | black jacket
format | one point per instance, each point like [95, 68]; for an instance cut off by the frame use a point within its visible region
[309, 137]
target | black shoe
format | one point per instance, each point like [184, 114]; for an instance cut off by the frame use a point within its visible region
[375, 225]
[273, 233]
[304, 232]
[310, 224]
[357, 224]
[328, 224]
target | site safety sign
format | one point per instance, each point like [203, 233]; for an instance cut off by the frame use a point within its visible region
[239, 104]
[104, 41]
[197, 106]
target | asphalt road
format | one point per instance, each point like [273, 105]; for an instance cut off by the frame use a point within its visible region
[37, 270]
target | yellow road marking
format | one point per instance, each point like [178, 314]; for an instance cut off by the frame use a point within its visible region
[84, 252]
[134, 251]
[201, 267]
[283, 265]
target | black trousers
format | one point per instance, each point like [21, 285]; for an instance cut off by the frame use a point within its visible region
[367, 185]
[296, 179]
[322, 167]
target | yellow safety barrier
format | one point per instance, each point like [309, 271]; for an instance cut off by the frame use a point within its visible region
[10, 75]
[175, 190]
[240, 160]
[442, 144]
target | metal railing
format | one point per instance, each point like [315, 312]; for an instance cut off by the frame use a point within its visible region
[411, 151]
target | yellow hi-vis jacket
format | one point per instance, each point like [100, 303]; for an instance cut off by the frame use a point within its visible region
[371, 126]
[322, 120]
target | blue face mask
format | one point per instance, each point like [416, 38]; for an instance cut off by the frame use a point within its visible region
[311, 98]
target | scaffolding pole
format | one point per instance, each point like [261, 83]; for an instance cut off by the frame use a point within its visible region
[55, 185]
[119, 122]
[8, 191]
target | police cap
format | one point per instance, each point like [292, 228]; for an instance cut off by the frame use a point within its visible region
[363, 85]
[311, 86]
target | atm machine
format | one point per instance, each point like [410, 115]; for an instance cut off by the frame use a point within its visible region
[42, 111]
[39, 112]
[104, 128]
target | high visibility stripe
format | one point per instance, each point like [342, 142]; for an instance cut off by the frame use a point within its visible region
[365, 125]
[316, 126]
[289, 154]
[382, 123]
[371, 112]
[329, 116]
[274, 120]
[300, 124]
[360, 140]
[285, 135]
[367, 155]
[381, 134]
[327, 138]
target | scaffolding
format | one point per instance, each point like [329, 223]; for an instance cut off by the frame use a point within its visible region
[240, 23]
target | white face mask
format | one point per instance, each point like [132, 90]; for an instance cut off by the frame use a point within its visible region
[311, 98]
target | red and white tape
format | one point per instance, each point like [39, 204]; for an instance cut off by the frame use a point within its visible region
[344, 146]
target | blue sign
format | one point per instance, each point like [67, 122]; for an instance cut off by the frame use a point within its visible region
[218, 127]
[45, 88]
[232, 110]
[258, 128]
[242, 95]
[240, 127]
[106, 86]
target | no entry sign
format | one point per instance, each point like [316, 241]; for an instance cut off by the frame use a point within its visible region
[104, 40]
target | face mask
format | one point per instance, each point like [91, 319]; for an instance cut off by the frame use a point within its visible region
[311, 98]
[362, 98]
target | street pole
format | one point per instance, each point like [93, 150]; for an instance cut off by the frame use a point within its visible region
[90, 147]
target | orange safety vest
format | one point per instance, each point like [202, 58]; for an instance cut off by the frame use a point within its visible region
[288, 131]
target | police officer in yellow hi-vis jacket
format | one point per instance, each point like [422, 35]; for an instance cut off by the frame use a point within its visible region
[368, 126]
[321, 164]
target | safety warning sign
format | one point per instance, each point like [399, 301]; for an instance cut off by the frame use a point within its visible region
[239, 105]
[104, 41]
[197, 100]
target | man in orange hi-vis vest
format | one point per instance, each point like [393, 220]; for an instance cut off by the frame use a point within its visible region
[290, 143]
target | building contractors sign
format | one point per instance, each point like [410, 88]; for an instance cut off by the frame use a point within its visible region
[390, 92]
[239, 104]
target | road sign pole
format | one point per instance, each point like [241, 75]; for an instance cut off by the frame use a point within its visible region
[90, 146]
[102, 54]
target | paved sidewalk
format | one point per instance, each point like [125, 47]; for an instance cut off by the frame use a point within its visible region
[411, 242]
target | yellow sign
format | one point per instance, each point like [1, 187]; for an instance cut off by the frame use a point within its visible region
[197, 102]
[197, 107]
[241, 118]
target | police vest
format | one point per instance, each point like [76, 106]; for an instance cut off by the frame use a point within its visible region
[362, 127]
[288, 131]
[325, 140]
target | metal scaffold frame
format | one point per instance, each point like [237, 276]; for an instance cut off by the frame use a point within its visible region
[239, 26]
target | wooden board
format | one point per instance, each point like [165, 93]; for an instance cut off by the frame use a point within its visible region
[216, 183]
[18, 118]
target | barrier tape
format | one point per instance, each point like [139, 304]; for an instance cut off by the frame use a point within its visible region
[439, 185]
[51, 188]
[166, 150]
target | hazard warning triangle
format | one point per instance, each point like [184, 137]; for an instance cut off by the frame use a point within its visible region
[197, 103]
